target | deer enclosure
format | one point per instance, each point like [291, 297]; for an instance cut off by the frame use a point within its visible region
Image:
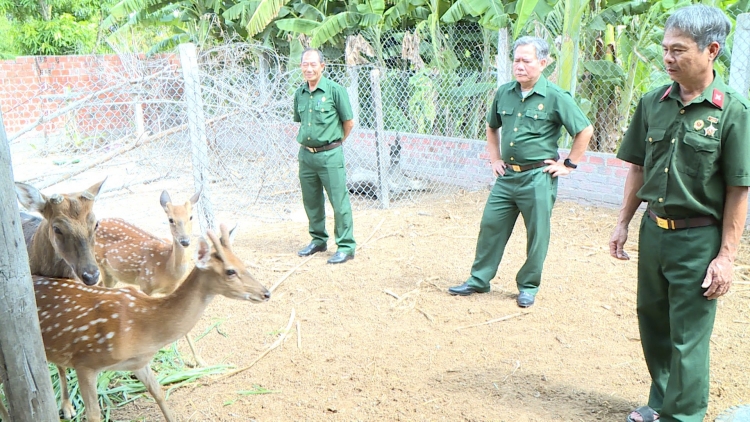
[379, 338]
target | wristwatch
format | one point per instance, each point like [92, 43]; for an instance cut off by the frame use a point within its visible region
[569, 164]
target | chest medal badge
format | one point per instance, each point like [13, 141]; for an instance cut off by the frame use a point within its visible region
[698, 125]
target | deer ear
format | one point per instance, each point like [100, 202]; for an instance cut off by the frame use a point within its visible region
[164, 199]
[197, 196]
[95, 188]
[202, 253]
[30, 197]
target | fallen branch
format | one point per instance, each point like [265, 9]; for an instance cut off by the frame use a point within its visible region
[390, 293]
[285, 276]
[373, 233]
[273, 346]
[426, 315]
[137, 143]
[299, 336]
[79, 103]
[492, 321]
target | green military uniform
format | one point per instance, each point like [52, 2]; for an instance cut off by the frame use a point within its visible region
[321, 114]
[689, 153]
[530, 131]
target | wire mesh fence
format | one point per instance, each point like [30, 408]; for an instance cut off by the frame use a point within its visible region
[223, 119]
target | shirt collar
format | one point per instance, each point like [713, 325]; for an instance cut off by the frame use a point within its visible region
[540, 87]
[323, 85]
[713, 94]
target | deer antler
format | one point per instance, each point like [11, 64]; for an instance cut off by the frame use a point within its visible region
[217, 245]
[225, 237]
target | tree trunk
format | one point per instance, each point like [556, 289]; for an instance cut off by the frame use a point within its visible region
[23, 366]
[45, 10]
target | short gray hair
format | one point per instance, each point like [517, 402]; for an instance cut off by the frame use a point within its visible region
[313, 50]
[541, 46]
[703, 24]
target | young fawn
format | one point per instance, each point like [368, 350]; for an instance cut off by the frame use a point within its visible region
[131, 255]
[61, 244]
[93, 329]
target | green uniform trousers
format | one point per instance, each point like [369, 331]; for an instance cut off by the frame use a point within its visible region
[532, 194]
[325, 170]
[674, 317]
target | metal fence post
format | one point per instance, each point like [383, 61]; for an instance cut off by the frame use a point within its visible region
[739, 73]
[353, 91]
[503, 56]
[197, 131]
[381, 148]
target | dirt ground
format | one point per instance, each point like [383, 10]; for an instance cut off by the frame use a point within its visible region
[356, 352]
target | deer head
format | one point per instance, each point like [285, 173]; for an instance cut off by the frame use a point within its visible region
[233, 279]
[67, 231]
[180, 218]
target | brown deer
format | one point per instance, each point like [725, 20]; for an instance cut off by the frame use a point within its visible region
[102, 329]
[61, 244]
[131, 255]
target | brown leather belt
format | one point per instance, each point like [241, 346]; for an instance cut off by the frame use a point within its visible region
[685, 223]
[518, 169]
[330, 146]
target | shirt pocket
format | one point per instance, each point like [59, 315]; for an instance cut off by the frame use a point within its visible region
[535, 121]
[698, 154]
[324, 113]
[654, 146]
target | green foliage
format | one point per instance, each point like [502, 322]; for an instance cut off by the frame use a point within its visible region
[59, 36]
[8, 48]
[116, 388]
[422, 104]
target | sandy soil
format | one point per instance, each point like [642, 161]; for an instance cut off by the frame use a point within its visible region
[379, 338]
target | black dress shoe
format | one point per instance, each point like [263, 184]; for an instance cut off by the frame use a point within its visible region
[340, 258]
[524, 300]
[311, 249]
[466, 290]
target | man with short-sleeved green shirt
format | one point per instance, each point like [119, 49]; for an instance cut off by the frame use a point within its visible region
[689, 148]
[531, 112]
[322, 108]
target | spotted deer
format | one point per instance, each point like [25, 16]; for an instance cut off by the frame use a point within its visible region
[61, 243]
[131, 255]
[93, 329]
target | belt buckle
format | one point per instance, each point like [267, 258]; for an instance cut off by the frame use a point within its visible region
[662, 222]
[311, 149]
[515, 167]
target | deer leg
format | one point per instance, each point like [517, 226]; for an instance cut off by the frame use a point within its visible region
[87, 385]
[66, 406]
[149, 380]
[198, 360]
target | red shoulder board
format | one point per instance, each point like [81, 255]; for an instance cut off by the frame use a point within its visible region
[666, 93]
[718, 98]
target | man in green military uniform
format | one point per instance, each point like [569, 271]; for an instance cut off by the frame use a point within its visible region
[689, 149]
[322, 108]
[531, 111]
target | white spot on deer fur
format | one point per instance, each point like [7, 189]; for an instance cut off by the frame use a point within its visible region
[110, 335]
[115, 316]
[83, 327]
[85, 338]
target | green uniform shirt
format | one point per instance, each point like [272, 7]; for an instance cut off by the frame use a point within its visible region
[321, 113]
[531, 125]
[689, 153]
